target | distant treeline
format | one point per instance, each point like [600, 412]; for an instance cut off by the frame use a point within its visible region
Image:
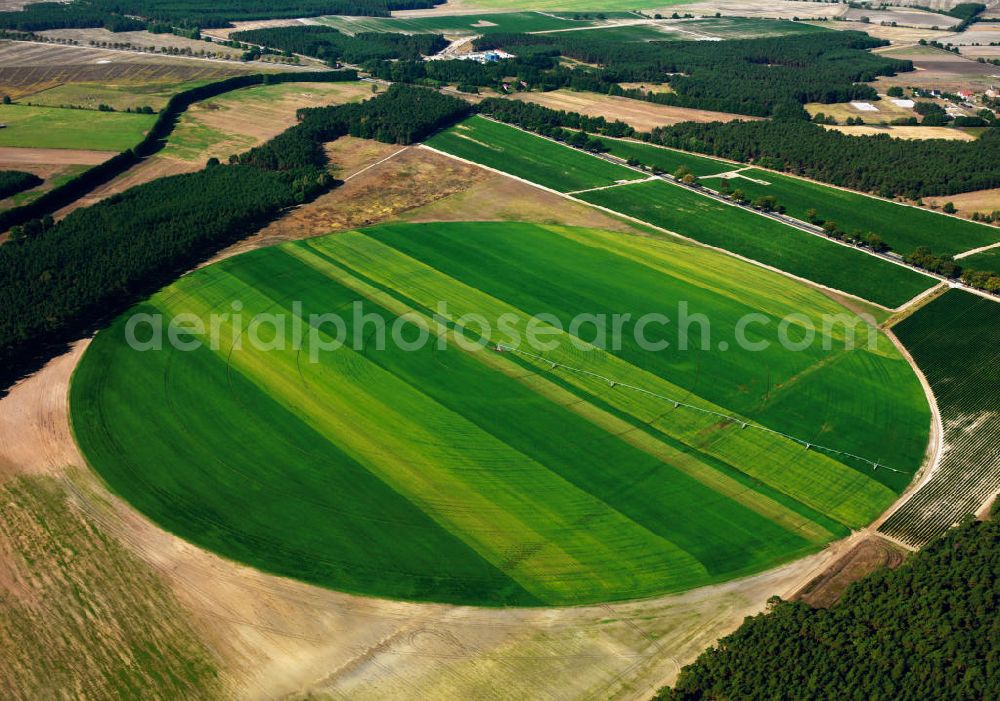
[126, 15]
[878, 164]
[927, 630]
[328, 44]
[760, 77]
[15, 181]
[75, 188]
[60, 278]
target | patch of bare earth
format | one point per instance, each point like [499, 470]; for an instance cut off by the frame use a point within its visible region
[870, 554]
[638, 113]
[899, 132]
[982, 201]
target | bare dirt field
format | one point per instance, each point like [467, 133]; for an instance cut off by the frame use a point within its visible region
[143, 39]
[25, 158]
[27, 68]
[974, 52]
[225, 32]
[941, 70]
[864, 558]
[979, 33]
[895, 35]
[983, 201]
[910, 18]
[906, 132]
[641, 115]
[754, 8]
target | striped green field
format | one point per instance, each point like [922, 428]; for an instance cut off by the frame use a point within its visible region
[667, 160]
[446, 471]
[527, 156]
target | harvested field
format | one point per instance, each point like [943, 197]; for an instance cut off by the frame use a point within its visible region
[895, 35]
[940, 70]
[755, 8]
[870, 554]
[16, 158]
[898, 132]
[644, 116]
[842, 111]
[907, 17]
[982, 201]
[27, 68]
[241, 119]
[143, 39]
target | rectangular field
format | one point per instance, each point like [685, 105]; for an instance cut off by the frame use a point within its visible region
[52, 127]
[902, 227]
[666, 159]
[527, 156]
[764, 240]
[955, 341]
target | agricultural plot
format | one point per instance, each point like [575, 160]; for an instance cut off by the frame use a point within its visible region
[764, 240]
[459, 24]
[747, 27]
[527, 156]
[444, 473]
[667, 160]
[955, 341]
[121, 96]
[904, 228]
[987, 260]
[52, 127]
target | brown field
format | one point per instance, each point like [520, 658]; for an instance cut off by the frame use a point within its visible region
[638, 113]
[224, 32]
[983, 201]
[864, 558]
[895, 35]
[754, 8]
[910, 18]
[27, 68]
[142, 39]
[906, 132]
[937, 69]
[979, 33]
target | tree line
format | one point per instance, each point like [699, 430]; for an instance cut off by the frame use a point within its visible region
[15, 181]
[927, 630]
[331, 45]
[129, 15]
[61, 278]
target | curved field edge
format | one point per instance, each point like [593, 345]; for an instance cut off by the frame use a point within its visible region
[443, 494]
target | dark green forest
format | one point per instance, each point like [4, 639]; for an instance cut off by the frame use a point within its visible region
[927, 631]
[60, 278]
[328, 44]
[15, 181]
[127, 15]
[760, 77]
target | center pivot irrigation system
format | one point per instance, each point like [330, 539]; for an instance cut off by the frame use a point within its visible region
[743, 423]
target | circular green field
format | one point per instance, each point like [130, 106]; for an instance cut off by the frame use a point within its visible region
[442, 471]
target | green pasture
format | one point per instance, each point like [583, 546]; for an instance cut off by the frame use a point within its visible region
[52, 127]
[902, 227]
[528, 156]
[667, 160]
[446, 471]
[121, 97]
[764, 240]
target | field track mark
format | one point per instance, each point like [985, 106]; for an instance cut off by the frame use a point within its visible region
[376, 163]
[974, 251]
[608, 187]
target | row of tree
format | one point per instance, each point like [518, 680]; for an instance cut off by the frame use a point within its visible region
[877, 164]
[128, 15]
[330, 45]
[927, 630]
[61, 277]
[15, 181]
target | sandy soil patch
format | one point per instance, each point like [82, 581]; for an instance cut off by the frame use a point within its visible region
[638, 113]
[906, 132]
[864, 558]
[983, 201]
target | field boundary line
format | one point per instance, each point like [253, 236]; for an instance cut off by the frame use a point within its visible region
[376, 163]
[661, 229]
[974, 251]
[800, 177]
[608, 187]
[780, 219]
